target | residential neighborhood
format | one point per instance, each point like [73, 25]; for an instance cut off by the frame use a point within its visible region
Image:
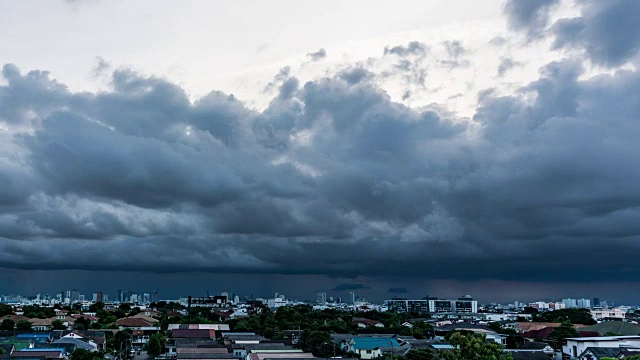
[229, 327]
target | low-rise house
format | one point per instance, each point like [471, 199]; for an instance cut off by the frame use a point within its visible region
[540, 334]
[614, 327]
[491, 335]
[278, 354]
[38, 353]
[244, 350]
[576, 346]
[193, 333]
[210, 356]
[597, 353]
[517, 354]
[96, 336]
[91, 319]
[538, 346]
[624, 353]
[216, 327]
[242, 338]
[371, 347]
[363, 323]
[40, 338]
[134, 323]
[79, 343]
[140, 337]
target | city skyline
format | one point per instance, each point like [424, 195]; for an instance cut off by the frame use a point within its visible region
[405, 148]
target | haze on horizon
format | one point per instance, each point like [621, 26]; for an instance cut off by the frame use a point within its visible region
[445, 148]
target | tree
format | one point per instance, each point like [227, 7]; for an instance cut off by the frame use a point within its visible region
[5, 310]
[82, 354]
[23, 325]
[559, 334]
[7, 325]
[82, 323]
[420, 354]
[58, 325]
[156, 343]
[96, 307]
[316, 342]
[575, 316]
[474, 347]
[164, 321]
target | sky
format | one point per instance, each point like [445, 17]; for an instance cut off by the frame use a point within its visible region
[404, 148]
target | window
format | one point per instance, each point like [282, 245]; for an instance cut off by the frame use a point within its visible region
[368, 351]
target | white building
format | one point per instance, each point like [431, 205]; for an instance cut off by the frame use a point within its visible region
[584, 303]
[600, 314]
[575, 346]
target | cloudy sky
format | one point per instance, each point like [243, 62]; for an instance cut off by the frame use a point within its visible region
[392, 147]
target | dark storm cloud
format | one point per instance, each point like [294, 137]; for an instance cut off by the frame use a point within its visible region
[333, 178]
[398, 291]
[607, 31]
[317, 55]
[349, 286]
[530, 15]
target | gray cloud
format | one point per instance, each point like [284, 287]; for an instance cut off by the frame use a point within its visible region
[317, 55]
[332, 178]
[398, 291]
[413, 48]
[607, 31]
[455, 50]
[507, 64]
[530, 15]
[349, 287]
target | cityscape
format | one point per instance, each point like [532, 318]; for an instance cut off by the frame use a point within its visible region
[319, 180]
[231, 326]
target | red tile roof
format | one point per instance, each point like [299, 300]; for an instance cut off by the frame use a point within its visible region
[538, 334]
[133, 322]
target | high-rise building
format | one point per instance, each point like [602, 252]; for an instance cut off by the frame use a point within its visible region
[596, 301]
[99, 296]
[321, 298]
[75, 295]
[583, 303]
[95, 297]
[352, 297]
[570, 303]
[155, 297]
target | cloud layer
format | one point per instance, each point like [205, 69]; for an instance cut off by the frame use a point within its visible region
[334, 177]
